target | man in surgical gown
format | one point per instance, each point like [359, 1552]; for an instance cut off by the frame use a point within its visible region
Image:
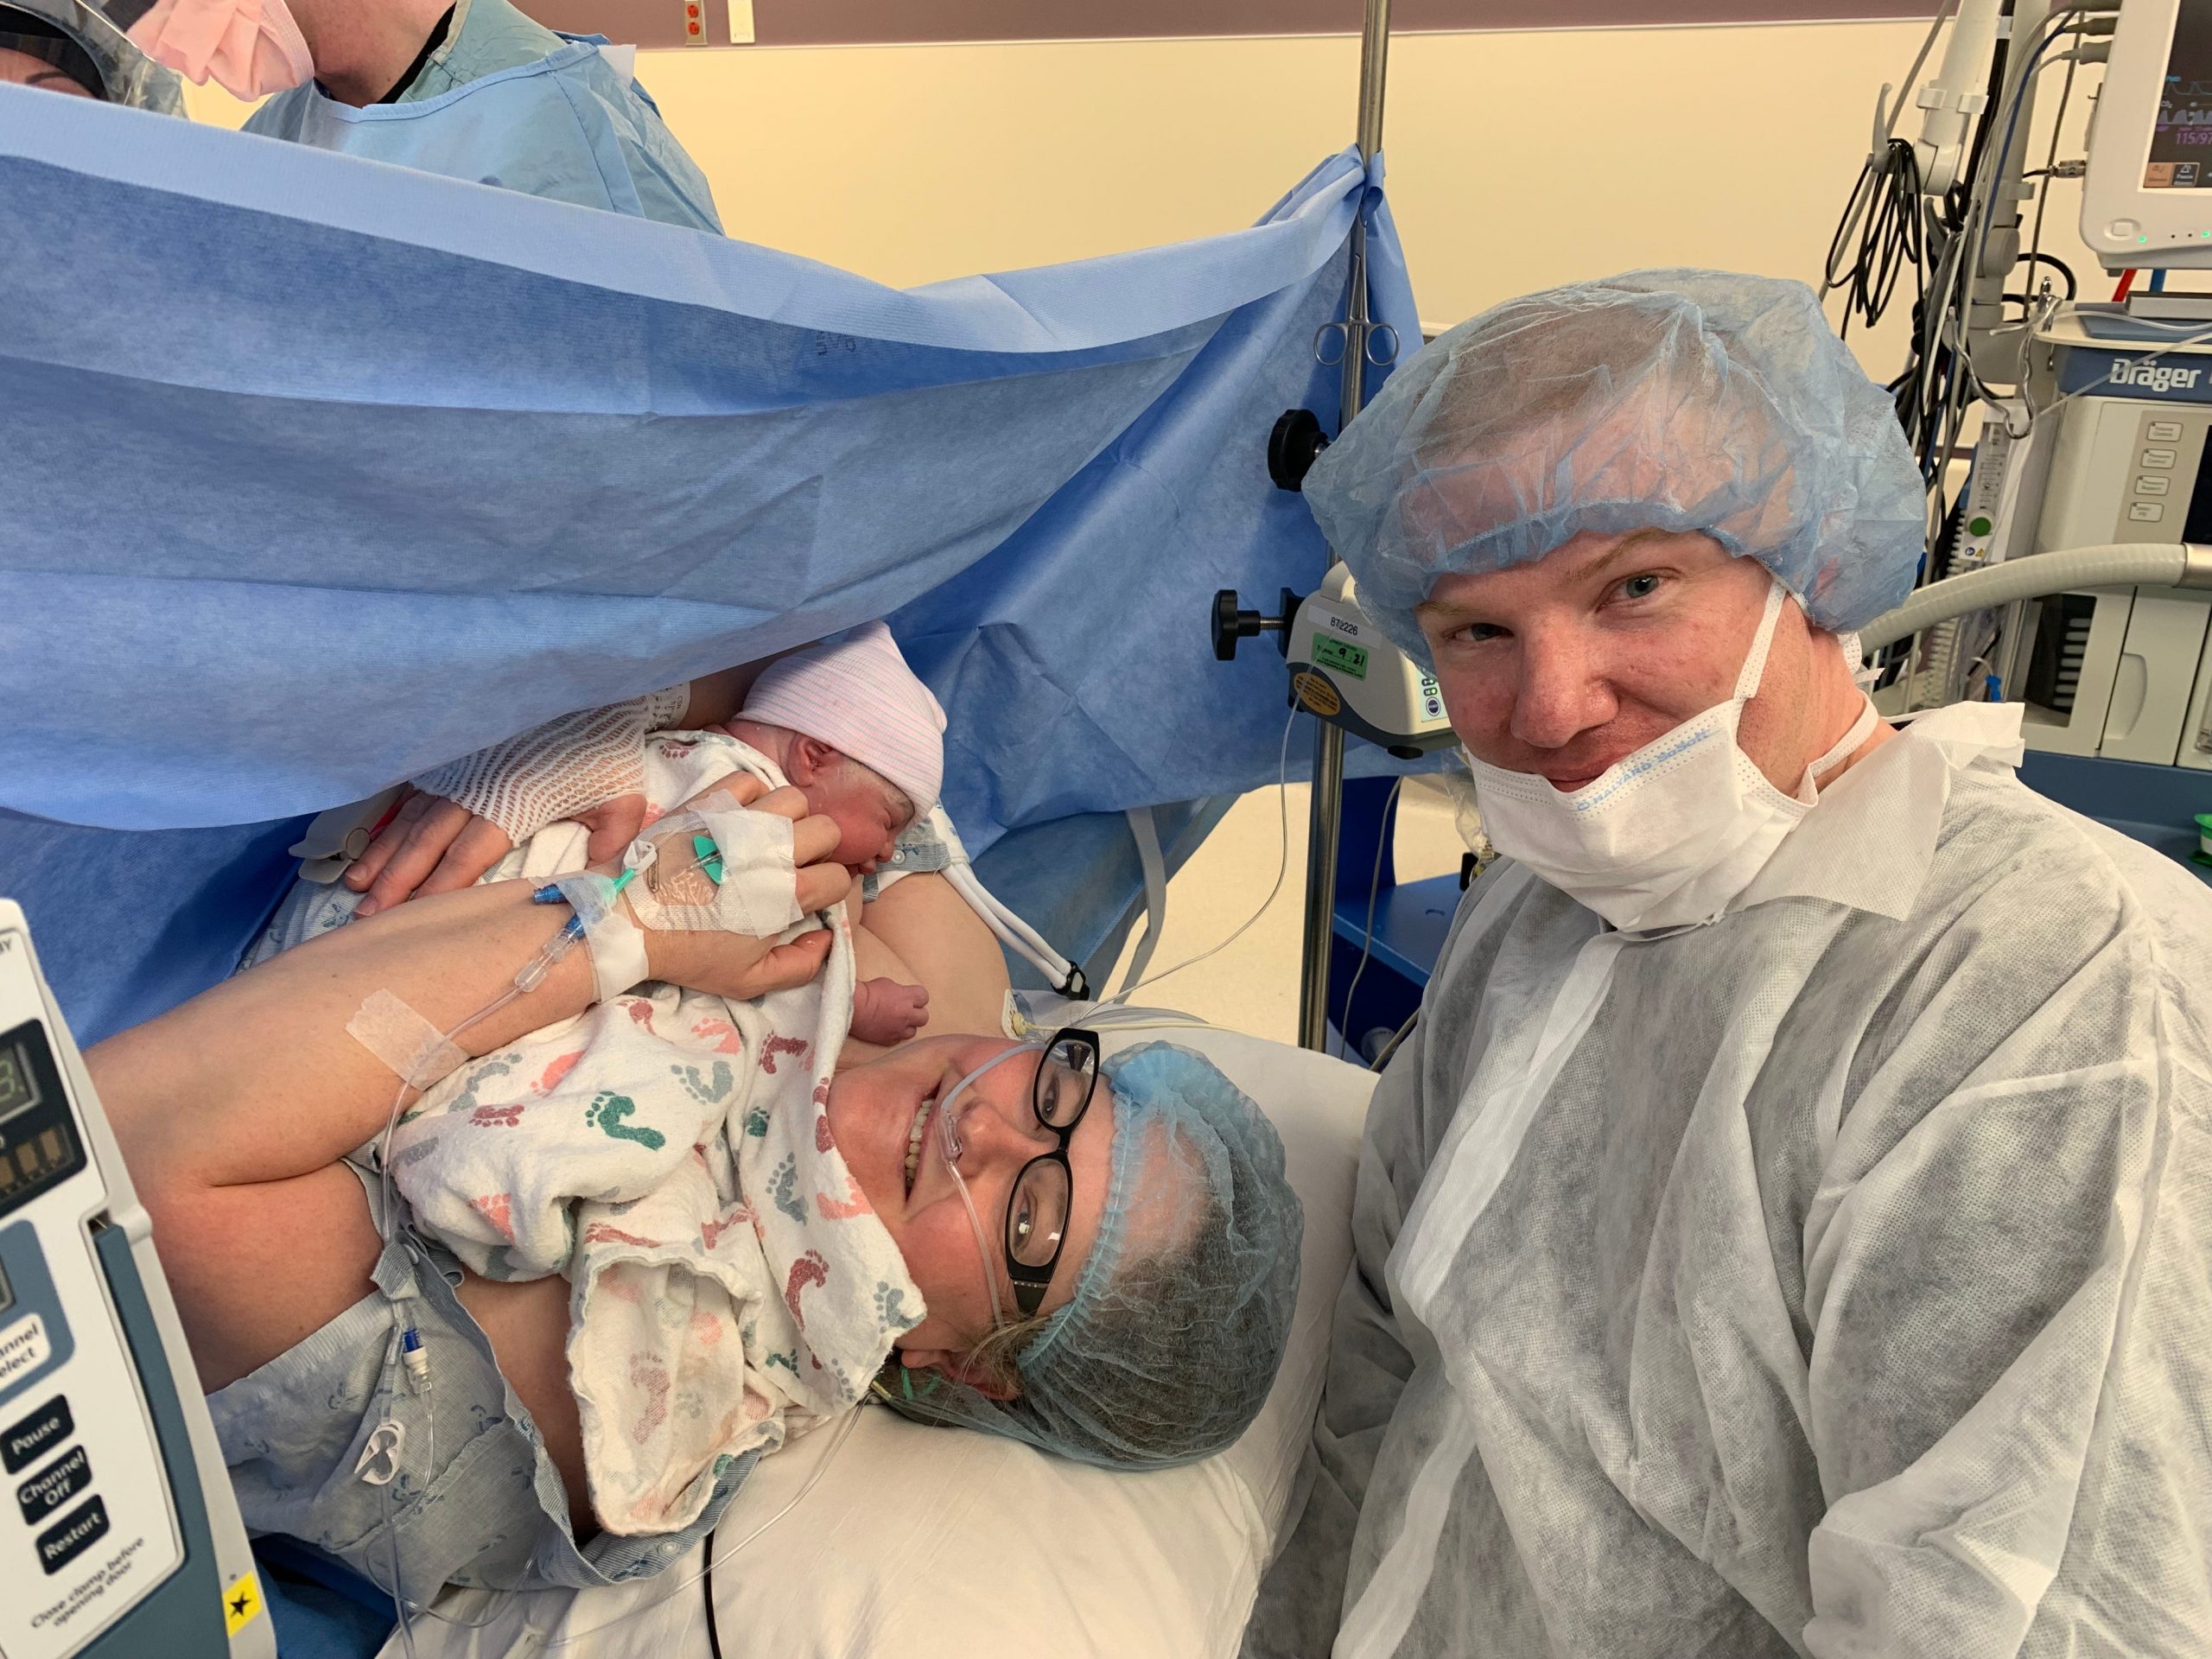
[494, 97]
[1785, 1231]
[474, 90]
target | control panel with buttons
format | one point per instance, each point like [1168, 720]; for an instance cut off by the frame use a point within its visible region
[119, 1533]
[2161, 473]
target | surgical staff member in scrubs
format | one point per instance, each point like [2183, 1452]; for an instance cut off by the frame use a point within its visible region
[1786, 1230]
[59, 45]
[474, 90]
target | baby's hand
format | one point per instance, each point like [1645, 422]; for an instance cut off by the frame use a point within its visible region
[886, 1013]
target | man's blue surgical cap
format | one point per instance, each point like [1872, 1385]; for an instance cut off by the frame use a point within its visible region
[1676, 400]
[1181, 1316]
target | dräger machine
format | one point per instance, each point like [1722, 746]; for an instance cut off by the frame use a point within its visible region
[121, 1538]
[2071, 570]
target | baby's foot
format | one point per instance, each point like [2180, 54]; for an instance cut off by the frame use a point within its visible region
[887, 1012]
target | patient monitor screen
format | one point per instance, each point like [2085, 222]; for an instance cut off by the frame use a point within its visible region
[38, 1135]
[18, 1089]
[2181, 143]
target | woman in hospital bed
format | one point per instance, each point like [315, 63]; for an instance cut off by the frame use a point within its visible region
[1102, 1263]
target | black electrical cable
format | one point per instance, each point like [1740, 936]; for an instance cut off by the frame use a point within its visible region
[2031, 260]
[1884, 203]
[714, 1619]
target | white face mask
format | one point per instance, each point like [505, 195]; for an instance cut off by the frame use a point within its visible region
[1667, 836]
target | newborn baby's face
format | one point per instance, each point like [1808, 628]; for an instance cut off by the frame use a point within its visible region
[869, 810]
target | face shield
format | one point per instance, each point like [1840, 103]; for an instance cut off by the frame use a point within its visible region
[249, 47]
[88, 45]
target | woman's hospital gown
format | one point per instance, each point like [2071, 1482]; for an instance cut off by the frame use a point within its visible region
[1830, 1280]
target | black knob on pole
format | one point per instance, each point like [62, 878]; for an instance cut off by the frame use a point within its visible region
[1231, 625]
[1294, 446]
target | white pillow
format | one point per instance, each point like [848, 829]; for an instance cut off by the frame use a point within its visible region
[916, 1542]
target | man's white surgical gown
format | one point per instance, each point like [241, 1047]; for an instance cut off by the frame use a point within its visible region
[1830, 1280]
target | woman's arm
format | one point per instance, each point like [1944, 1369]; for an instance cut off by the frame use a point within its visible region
[233, 1110]
[433, 845]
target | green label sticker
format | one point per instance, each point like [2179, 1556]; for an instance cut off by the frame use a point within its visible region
[1344, 659]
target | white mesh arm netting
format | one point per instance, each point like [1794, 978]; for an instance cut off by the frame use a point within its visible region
[571, 764]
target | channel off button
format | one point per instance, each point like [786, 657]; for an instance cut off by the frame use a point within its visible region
[49, 1489]
[72, 1535]
[24, 1443]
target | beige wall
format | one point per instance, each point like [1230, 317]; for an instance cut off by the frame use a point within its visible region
[1517, 159]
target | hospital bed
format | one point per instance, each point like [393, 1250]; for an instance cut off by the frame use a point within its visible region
[872, 1535]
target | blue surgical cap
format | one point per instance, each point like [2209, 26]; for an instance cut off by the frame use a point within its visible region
[1675, 400]
[1180, 1315]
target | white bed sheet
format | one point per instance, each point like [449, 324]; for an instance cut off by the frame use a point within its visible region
[927, 1543]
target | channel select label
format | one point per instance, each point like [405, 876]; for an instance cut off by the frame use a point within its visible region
[72, 1535]
[23, 1348]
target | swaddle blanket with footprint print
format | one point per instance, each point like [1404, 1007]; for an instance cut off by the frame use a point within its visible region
[670, 1153]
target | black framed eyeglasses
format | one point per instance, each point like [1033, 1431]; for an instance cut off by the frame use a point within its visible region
[1037, 1215]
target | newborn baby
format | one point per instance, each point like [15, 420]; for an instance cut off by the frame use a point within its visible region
[849, 726]
[846, 723]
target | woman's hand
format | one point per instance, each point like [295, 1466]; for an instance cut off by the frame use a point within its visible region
[435, 845]
[731, 964]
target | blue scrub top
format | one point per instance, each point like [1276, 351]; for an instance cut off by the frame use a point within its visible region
[506, 102]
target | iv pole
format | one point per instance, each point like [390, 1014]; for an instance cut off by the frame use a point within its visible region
[1329, 739]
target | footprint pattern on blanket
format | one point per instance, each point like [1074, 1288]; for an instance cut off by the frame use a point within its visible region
[496, 1117]
[606, 1114]
[485, 1072]
[782, 1185]
[710, 1232]
[789, 1361]
[756, 1122]
[559, 1069]
[722, 1034]
[853, 1204]
[498, 1208]
[601, 1232]
[709, 1090]
[794, 1046]
[646, 1372]
[809, 1269]
[890, 1308]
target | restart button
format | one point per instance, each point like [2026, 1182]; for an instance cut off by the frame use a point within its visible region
[71, 1536]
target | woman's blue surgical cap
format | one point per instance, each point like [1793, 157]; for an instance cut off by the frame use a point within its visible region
[1181, 1314]
[1676, 400]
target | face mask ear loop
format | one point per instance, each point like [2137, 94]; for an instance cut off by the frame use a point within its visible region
[1754, 670]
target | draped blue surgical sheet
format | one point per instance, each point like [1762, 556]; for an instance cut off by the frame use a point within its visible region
[322, 472]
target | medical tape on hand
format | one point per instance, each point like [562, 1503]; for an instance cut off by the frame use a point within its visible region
[752, 889]
[617, 943]
[416, 1049]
